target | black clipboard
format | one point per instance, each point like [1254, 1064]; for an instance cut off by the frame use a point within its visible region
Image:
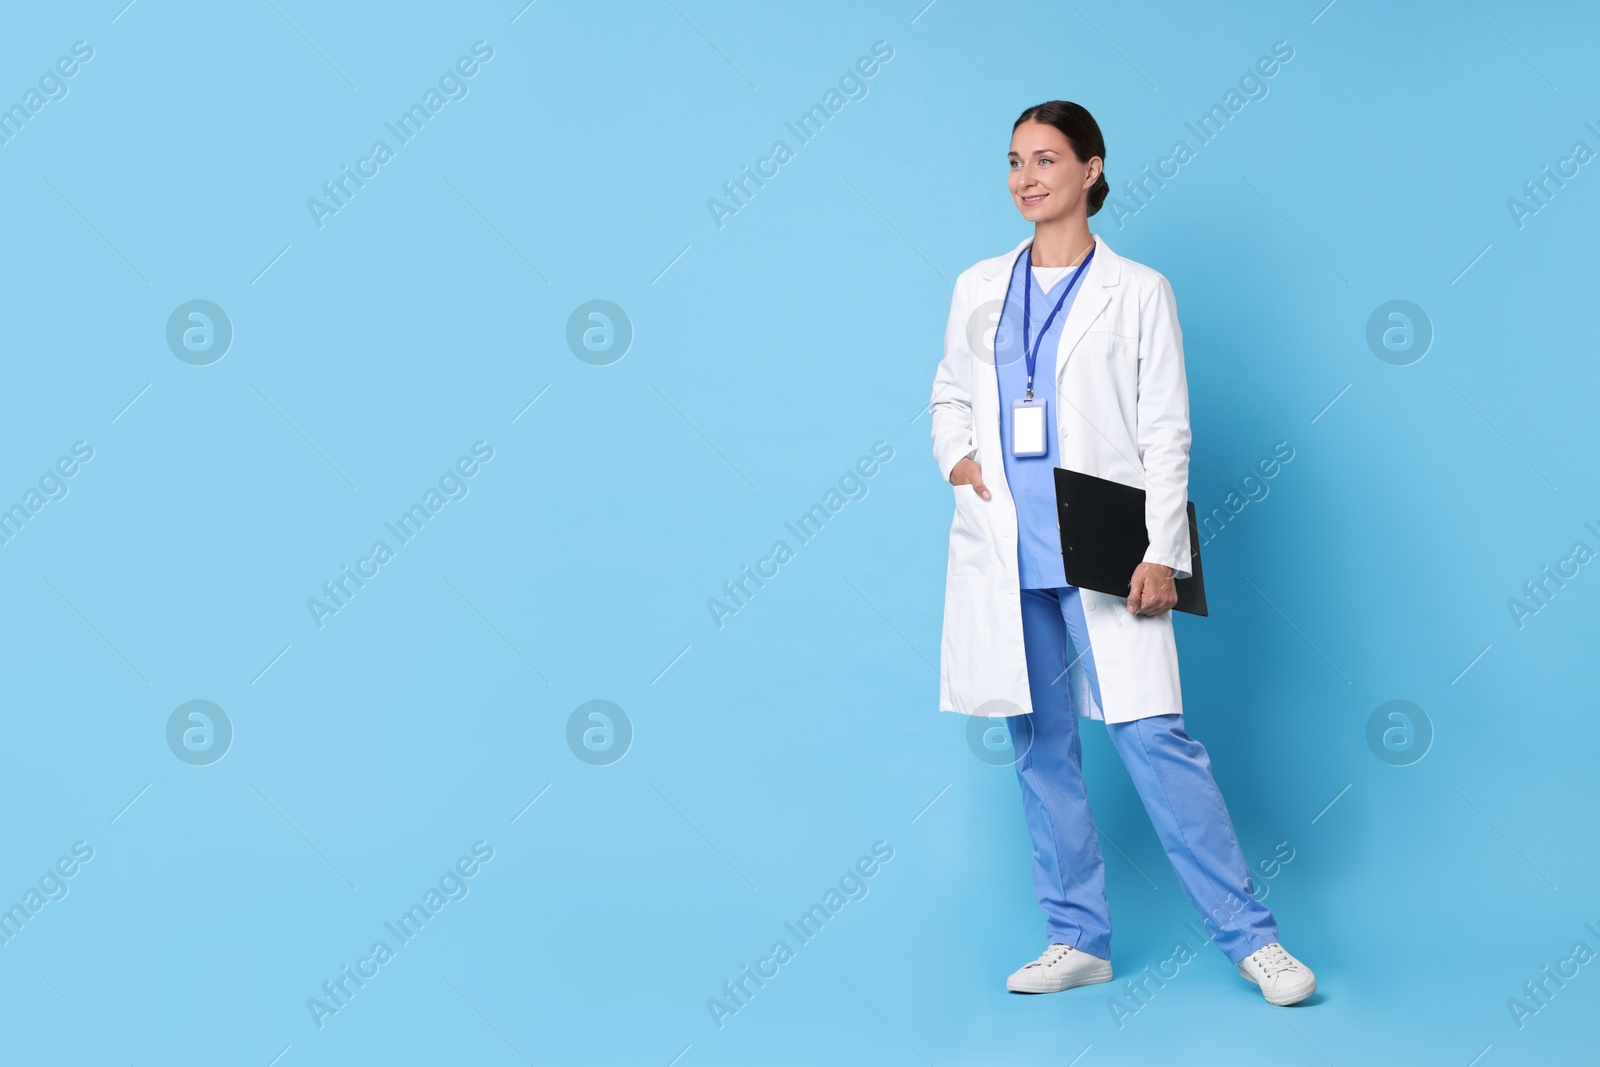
[1103, 537]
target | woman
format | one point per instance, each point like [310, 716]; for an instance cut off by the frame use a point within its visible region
[1082, 369]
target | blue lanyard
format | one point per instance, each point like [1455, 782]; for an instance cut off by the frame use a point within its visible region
[1031, 352]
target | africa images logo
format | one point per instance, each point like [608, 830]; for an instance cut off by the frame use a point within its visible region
[452, 85]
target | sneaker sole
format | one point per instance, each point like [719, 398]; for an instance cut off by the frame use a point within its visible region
[1281, 999]
[1094, 977]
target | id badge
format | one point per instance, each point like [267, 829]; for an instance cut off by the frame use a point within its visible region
[1027, 426]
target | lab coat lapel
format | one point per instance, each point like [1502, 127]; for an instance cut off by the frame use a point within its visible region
[1093, 296]
[996, 276]
[993, 284]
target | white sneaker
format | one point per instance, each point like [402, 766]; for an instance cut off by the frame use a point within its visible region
[1060, 967]
[1281, 978]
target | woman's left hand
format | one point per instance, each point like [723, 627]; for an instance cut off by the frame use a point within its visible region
[1152, 589]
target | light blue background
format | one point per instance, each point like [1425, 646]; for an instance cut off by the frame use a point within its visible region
[769, 354]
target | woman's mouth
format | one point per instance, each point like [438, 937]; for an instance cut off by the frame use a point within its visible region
[1032, 200]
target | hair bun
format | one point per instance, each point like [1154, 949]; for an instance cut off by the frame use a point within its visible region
[1098, 193]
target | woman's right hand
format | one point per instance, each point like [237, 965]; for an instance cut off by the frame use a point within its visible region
[967, 472]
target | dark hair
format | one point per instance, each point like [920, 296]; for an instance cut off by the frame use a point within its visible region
[1081, 132]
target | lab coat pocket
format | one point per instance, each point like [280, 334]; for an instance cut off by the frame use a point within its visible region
[969, 533]
[1110, 345]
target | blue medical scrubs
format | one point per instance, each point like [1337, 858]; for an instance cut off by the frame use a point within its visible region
[1032, 478]
[1170, 769]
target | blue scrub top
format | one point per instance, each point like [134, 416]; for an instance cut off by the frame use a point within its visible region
[1032, 478]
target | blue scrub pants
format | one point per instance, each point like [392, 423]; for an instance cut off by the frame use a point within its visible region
[1170, 769]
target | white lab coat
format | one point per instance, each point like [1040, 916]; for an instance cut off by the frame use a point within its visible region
[1122, 412]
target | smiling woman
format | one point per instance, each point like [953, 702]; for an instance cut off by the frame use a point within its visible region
[1085, 375]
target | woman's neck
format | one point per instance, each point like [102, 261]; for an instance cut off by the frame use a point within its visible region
[1061, 244]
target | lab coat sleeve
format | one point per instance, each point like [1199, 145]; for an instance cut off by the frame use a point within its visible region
[954, 436]
[1163, 432]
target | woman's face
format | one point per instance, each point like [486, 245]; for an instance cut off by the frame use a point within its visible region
[1047, 181]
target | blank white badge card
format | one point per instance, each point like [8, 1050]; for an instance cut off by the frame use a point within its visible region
[1027, 426]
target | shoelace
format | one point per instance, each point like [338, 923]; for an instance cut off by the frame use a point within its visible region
[1052, 955]
[1274, 959]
